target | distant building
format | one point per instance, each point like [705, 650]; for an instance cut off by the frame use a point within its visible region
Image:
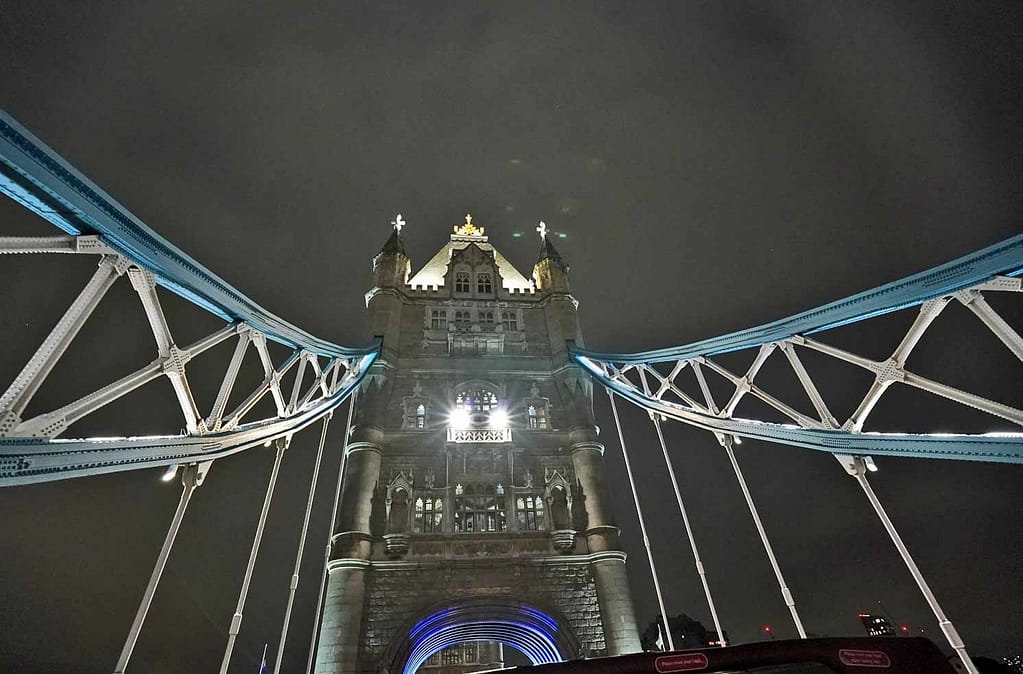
[877, 626]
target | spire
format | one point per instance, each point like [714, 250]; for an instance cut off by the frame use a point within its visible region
[394, 244]
[547, 250]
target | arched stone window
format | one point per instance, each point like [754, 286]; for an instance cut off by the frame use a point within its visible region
[509, 321]
[529, 511]
[429, 515]
[484, 283]
[463, 319]
[479, 509]
[476, 399]
[463, 282]
[487, 320]
[438, 319]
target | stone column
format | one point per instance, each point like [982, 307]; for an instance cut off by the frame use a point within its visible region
[615, 599]
[608, 562]
[338, 650]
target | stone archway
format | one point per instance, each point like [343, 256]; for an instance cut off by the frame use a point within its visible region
[541, 636]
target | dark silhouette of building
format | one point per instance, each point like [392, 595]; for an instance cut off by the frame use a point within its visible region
[685, 631]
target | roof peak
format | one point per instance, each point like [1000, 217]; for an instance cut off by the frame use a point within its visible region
[468, 231]
[394, 244]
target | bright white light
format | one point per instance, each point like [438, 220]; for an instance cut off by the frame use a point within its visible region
[170, 473]
[459, 418]
[498, 419]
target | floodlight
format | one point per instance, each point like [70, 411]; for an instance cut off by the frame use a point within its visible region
[459, 418]
[498, 419]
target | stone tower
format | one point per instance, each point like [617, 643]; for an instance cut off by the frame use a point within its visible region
[474, 516]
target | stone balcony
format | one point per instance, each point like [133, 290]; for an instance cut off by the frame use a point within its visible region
[479, 435]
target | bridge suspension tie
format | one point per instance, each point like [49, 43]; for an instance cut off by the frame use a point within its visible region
[330, 533]
[786, 594]
[190, 479]
[236, 619]
[685, 519]
[689, 532]
[642, 524]
[301, 544]
[857, 467]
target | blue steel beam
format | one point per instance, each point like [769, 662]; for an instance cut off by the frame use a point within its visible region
[34, 175]
[965, 273]
[31, 460]
[1005, 259]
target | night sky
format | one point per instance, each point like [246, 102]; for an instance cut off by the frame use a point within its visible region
[712, 166]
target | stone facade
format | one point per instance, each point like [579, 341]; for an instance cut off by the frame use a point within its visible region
[474, 473]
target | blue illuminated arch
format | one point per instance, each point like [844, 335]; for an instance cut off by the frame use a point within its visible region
[538, 635]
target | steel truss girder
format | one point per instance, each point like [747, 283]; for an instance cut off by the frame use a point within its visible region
[35, 176]
[964, 280]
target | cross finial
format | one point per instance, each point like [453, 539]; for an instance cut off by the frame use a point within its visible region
[542, 229]
[468, 218]
[398, 223]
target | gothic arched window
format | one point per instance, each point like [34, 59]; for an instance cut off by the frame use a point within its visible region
[529, 510]
[509, 321]
[476, 400]
[479, 508]
[429, 514]
[463, 282]
[487, 320]
[462, 319]
[483, 283]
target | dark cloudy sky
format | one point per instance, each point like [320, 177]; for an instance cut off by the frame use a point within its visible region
[713, 165]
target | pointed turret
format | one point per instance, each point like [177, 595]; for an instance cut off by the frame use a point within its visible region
[393, 245]
[392, 265]
[550, 271]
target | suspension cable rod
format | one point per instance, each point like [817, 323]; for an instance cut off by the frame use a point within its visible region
[689, 533]
[786, 594]
[189, 481]
[236, 619]
[642, 524]
[330, 533]
[301, 544]
[857, 468]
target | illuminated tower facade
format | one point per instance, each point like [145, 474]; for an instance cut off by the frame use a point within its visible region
[474, 516]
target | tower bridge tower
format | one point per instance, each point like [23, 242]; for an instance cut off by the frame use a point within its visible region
[474, 515]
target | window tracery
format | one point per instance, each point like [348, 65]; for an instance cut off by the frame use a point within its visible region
[463, 282]
[529, 512]
[476, 399]
[484, 283]
[429, 515]
[479, 509]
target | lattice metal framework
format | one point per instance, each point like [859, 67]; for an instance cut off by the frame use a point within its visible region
[33, 449]
[654, 379]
